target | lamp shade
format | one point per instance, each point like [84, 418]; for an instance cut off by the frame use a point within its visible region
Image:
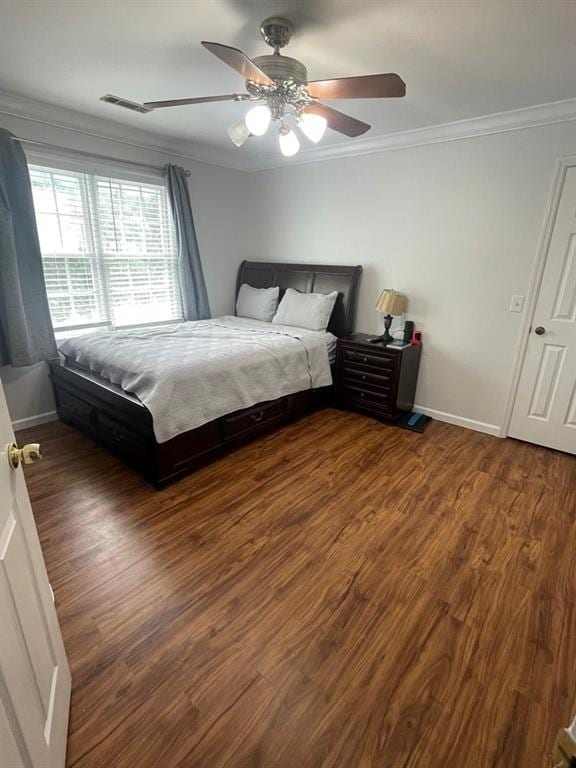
[391, 302]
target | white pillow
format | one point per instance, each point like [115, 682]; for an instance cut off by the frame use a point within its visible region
[306, 310]
[257, 303]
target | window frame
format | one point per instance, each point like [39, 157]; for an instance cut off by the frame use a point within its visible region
[51, 160]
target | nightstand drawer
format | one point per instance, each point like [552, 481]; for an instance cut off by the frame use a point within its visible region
[359, 394]
[379, 411]
[384, 362]
[364, 378]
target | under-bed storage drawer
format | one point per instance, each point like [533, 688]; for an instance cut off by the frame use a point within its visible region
[74, 409]
[108, 429]
[253, 418]
[115, 434]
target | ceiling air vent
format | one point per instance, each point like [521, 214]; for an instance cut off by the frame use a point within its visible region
[120, 102]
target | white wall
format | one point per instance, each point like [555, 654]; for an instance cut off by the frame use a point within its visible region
[454, 225]
[219, 207]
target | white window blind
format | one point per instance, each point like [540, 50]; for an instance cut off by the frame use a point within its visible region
[108, 250]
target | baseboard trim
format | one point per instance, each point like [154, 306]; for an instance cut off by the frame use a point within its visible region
[461, 421]
[449, 418]
[33, 421]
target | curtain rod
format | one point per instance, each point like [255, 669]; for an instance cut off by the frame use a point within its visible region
[92, 155]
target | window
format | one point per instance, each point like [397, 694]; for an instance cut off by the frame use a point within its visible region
[108, 250]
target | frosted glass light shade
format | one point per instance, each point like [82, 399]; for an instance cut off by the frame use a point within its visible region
[238, 132]
[289, 143]
[391, 302]
[313, 126]
[258, 119]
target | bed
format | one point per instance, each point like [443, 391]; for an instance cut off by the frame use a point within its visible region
[120, 420]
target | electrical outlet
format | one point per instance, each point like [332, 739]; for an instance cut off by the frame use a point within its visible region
[517, 303]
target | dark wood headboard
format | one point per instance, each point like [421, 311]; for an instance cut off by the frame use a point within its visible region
[309, 278]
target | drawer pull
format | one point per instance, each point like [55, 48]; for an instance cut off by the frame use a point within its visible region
[257, 416]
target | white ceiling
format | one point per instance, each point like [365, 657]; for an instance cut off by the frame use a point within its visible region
[459, 58]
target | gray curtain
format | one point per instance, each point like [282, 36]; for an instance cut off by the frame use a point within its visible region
[193, 287]
[26, 334]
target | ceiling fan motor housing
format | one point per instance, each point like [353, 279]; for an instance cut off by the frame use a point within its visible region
[277, 31]
[282, 68]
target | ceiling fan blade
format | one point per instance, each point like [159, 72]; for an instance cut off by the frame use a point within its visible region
[363, 87]
[118, 101]
[238, 61]
[338, 121]
[184, 102]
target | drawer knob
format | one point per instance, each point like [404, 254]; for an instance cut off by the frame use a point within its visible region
[365, 359]
[361, 394]
[363, 377]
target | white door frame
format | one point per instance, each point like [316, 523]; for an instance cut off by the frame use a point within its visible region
[562, 165]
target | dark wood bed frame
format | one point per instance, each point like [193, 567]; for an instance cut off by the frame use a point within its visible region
[122, 422]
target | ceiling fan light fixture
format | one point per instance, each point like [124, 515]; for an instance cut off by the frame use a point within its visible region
[258, 119]
[313, 126]
[279, 87]
[239, 132]
[289, 143]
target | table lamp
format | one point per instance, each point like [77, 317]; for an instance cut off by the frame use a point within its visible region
[389, 303]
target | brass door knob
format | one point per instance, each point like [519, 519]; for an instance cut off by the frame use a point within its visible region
[26, 455]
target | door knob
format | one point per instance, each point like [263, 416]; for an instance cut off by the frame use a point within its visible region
[26, 455]
[539, 331]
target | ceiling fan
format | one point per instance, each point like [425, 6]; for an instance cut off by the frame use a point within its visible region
[286, 97]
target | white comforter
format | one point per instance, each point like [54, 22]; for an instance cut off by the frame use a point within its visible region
[194, 372]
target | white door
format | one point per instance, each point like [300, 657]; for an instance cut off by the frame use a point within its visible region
[34, 673]
[545, 407]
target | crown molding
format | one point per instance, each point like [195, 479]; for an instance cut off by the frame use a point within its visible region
[499, 122]
[43, 113]
[39, 112]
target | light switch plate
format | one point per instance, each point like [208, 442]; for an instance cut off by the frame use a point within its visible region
[517, 303]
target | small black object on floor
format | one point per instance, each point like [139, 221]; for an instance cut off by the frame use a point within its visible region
[415, 422]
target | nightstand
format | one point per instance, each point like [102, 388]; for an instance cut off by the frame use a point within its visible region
[374, 379]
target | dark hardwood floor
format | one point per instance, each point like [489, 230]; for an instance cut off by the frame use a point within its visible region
[339, 594]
